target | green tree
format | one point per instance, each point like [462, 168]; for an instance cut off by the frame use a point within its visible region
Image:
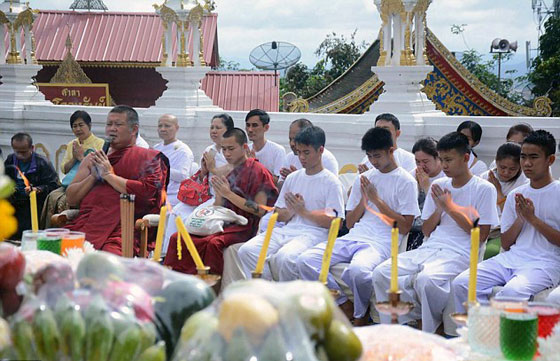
[336, 53]
[545, 74]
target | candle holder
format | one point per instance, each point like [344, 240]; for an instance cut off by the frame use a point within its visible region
[461, 319]
[256, 275]
[205, 275]
[394, 307]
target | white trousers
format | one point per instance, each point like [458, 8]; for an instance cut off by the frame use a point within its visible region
[263, 223]
[182, 210]
[523, 282]
[363, 256]
[286, 244]
[424, 276]
[554, 296]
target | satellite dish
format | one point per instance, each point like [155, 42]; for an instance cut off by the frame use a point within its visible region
[275, 55]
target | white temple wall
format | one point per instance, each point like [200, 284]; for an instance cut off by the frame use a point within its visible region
[49, 125]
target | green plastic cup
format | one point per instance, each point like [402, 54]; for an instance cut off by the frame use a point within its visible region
[49, 243]
[518, 335]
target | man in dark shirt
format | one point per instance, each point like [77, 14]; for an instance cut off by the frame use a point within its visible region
[37, 169]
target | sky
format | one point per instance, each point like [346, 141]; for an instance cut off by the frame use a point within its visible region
[245, 24]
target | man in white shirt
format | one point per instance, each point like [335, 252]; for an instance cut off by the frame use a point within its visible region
[304, 204]
[179, 154]
[530, 232]
[403, 158]
[270, 154]
[425, 274]
[387, 189]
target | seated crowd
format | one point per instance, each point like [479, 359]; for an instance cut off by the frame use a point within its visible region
[424, 192]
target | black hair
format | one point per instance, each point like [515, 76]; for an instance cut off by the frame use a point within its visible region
[389, 118]
[454, 140]
[377, 139]
[131, 115]
[239, 134]
[263, 116]
[18, 137]
[522, 128]
[474, 127]
[227, 120]
[509, 150]
[80, 114]
[302, 123]
[427, 145]
[312, 136]
[543, 139]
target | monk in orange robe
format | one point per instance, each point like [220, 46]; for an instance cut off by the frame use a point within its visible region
[247, 186]
[102, 178]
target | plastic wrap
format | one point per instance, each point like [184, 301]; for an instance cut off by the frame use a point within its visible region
[110, 308]
[259, 320]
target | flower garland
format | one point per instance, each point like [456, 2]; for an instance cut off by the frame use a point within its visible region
[8, 223]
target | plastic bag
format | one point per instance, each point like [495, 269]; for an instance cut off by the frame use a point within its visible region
[111, 308]
[260, 320]
[207, 220]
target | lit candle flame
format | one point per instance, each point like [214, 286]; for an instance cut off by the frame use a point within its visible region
[387, 220]
[25, 180]
[266, 208]
[469, 213]
[165, 200]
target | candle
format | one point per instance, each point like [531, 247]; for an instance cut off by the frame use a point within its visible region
[333, 232]
[394, 256]
[160, 233]
[475, 244]
[190, 245]
[33, 203]
[179, 247]
[266, 243]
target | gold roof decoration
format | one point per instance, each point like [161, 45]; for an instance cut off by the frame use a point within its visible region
[69, 71]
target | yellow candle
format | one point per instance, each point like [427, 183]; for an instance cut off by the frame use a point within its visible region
[394, 257]
[475, 245]
[333, 232]
[266, 243]
[33, 203]
[179, 247]
[190, 245]
[160, 233]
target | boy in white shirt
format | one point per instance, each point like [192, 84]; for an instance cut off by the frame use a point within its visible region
[530, 231]
[179, 154]
[425, 274]
[303, 202]
[403, 158]
[388, 189]
[270, 154]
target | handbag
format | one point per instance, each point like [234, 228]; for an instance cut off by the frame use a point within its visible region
[207, 220]
[192, 192]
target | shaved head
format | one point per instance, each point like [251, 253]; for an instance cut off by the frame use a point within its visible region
[170, 117]
[168, 126]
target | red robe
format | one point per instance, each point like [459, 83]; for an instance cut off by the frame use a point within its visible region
[99, 217]
[246, 181]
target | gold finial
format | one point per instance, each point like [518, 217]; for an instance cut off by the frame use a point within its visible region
[11, 6]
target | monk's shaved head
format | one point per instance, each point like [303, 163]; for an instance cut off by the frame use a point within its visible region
[170, 117]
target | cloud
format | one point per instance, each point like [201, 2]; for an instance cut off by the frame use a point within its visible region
[244, 24]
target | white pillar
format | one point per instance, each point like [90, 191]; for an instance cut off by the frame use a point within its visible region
[2, 44]
[195, 31]
[387, 41]
[397, 39]
[420, 37]
[28, 46]
[169, 44]
[17, 88]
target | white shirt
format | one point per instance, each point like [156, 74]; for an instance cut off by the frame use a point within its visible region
[507, 187]
[477, 168]
[477, 193]
[180, 162]
[320, 192]
[272, 156]
[532, 249]
[329, 161]
[398, 189]
[403, 159]
[140, 142]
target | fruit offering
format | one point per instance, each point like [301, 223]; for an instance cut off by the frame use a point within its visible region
[12, 268]
[260, 320]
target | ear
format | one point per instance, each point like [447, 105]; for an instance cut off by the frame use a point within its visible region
[398, 133]
[466, 157]
[266, 127]
[391, 150]
[321, 149]
[245, 146]
[551, 159]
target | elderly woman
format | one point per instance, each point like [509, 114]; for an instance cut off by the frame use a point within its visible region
[76, 150]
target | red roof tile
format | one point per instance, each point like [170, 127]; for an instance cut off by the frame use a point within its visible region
[111, 36]
[242, 90]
